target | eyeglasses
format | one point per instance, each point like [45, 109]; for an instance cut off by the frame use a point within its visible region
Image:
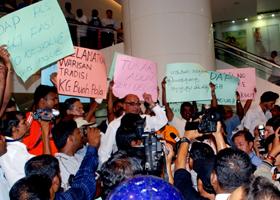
[133, 103]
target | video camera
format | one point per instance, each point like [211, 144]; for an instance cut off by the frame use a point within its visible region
[153, 148]
[206, 121]
[45, 114]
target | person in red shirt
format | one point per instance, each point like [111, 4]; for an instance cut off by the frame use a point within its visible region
[40, 139]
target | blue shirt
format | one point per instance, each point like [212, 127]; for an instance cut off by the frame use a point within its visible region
[255, 160]
[84, 185]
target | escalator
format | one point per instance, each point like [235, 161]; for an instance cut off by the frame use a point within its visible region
[239, 58]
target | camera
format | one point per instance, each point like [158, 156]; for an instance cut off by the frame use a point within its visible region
[206, 123]
[153, 152]
[45, 114]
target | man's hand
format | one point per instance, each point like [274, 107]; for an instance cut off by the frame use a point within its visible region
[163, 83]
[192, 134]
[212, 87]
[148, 98]
[4, 54]
[93, 135]
[53, 79]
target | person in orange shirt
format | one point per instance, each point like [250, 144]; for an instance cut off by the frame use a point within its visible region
[40, 139]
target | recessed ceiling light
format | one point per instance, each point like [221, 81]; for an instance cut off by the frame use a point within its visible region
[259, 17]
[233, 21]
[246, 19]
[273, 15]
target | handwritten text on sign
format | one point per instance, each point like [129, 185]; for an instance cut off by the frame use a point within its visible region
[82, 74]
[36, 36]
[247, 83]
[226, 86]
[187, 82]
[134, 76]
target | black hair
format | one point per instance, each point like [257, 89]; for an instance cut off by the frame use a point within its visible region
[129, 130]
[35, 187]
[109, 10]
[201, 150]
[261, 188]
[42, 91]
[233, 168]
[274, 122]
[79, 12]
[12, 120]
[42, 164]
[117, 169]
[269, 96]
[61, 132]
[68, 6]
[203, 163]
[94, 13]
[68, 105]
[247, 135]
[186, 104]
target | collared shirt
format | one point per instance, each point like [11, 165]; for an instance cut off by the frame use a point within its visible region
[255, 160]
[223, 196]
[254, 117]
[108, 140]
[14, 160]
[69, 165]
[84, 184]
[4, 186]
[179, 123]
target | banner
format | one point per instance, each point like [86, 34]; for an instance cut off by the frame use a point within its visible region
[134, 76]
[247, 83]
[226, 86]
[36, 36]
[187, 82]
[83, 74]
[45, 80]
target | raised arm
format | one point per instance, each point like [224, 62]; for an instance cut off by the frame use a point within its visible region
[110, 112]
[239, 107]
[168, 110]
[5, 79]
[214, 102]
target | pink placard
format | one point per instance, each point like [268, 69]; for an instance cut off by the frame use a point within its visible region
[247, 83]
[134, 76]
[83, 74]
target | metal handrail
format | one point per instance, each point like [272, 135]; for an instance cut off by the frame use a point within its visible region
[244, 58]
[262, 60]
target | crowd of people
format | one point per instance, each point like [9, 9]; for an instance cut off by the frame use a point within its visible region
[58, 151]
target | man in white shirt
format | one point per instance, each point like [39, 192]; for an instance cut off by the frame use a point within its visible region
[15, 129]
[68, 139]
[131, 104]
[259, 114]
[110, 24]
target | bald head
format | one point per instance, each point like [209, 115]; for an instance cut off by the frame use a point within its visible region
[131, 104]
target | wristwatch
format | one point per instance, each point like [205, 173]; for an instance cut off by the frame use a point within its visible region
[185, 139]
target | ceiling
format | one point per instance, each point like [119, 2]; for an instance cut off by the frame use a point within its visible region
[225, 10]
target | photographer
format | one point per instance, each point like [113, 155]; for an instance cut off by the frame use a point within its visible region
[40, 139]
[270, 167]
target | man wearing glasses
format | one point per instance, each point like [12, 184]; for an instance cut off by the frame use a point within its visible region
[131, 104]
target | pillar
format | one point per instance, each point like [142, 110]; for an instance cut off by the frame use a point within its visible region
[168, 31]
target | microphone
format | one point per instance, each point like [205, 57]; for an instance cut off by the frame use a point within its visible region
[175, 137]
